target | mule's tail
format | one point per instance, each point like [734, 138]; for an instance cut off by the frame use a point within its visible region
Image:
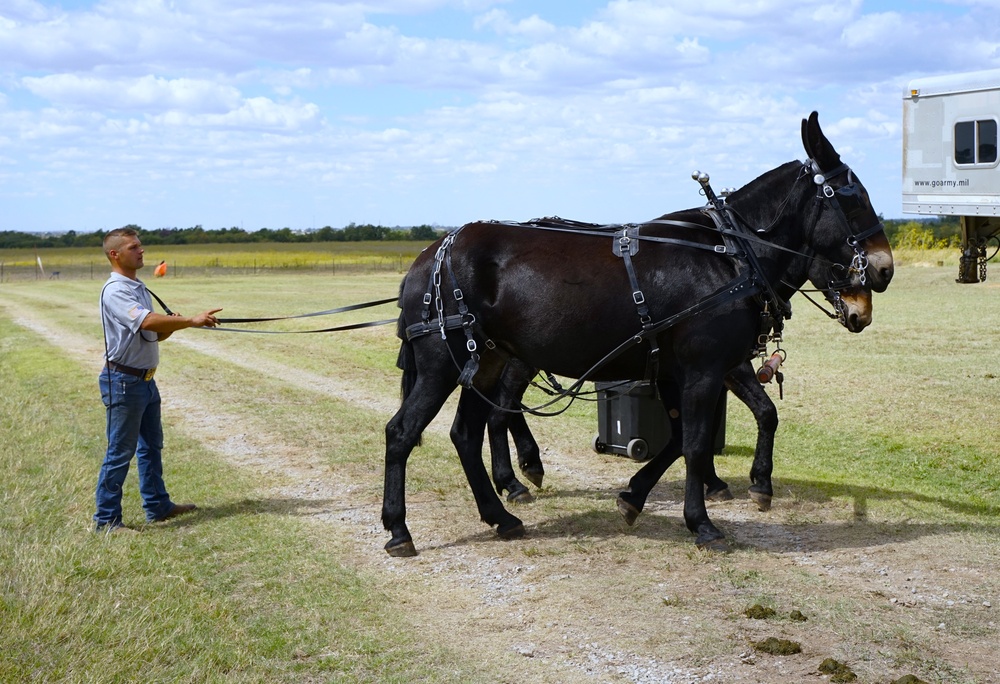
[406, 362]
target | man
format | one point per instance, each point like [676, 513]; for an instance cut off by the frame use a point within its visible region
[132, 332]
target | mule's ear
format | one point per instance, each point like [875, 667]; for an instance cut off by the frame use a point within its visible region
[817, 146]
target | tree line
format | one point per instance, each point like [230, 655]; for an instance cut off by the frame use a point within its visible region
[943, 231]
[197, 235]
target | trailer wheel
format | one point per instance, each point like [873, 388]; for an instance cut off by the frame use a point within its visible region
[637, 449]
[597, 445]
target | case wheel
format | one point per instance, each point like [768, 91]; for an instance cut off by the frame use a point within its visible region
[637, 449]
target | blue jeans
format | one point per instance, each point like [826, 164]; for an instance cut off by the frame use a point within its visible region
[134, 428]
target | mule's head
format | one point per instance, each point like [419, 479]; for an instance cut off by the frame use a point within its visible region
[847, 234]
[846, 209]
[852, 302]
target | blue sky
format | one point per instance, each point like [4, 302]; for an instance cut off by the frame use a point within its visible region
[175, 113]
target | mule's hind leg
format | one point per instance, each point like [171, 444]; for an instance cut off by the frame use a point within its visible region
[467, 435]
[743, 383]
[402, 434]
[513, 381]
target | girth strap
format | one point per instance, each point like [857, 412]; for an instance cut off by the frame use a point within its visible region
[625, 245]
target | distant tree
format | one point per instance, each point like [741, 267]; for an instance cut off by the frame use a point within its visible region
[423, 233]
[324, 234]
[198, 235]
[924, 233]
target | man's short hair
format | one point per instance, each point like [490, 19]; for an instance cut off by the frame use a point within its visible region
[114, 238]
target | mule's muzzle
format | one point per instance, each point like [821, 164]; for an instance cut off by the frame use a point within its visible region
[880, 265]
[855, 309]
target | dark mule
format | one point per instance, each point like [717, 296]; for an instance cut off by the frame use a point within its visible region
[741, 381]
[561, 302]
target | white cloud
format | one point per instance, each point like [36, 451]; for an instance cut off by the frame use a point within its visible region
[252, 113]
[148, 93]
[370, 105]
[533, 27]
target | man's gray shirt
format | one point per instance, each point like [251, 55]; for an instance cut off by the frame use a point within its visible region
[125, 303]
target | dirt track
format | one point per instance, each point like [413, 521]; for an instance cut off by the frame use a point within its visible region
[585, 599]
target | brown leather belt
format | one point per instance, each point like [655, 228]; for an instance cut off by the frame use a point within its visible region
[146, 375]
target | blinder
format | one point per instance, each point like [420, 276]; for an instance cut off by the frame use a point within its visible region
[846, 200]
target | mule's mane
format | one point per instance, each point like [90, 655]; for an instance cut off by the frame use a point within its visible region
[760, 200]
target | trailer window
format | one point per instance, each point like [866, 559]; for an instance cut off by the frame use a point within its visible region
[976, 142]
[987, 141]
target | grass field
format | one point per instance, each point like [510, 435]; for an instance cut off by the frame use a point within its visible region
[886, 457]
[202, 260]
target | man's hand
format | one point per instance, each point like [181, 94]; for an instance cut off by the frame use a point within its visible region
[165, 325]
[206, 319]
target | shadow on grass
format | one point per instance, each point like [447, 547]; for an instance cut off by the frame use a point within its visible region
[285, 506]
[663, 519]
[762, 531]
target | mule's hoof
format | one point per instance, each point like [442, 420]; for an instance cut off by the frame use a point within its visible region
[513, 532]
[763, 501]
[715, 546]
[628, 511]
[720, 495]
[533, 477]
[404, 549]
[521, 497]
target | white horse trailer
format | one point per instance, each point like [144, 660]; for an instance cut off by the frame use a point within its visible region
[950, 165]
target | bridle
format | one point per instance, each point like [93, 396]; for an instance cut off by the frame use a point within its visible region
[845, 203]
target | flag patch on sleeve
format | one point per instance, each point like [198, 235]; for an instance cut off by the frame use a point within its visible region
[136, 311]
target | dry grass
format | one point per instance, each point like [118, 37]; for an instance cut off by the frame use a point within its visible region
[883, 532]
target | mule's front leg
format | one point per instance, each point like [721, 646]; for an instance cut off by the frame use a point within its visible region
[743, 383]
[696, 518]
[697, 415]
[467, 435]
[632, 501]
